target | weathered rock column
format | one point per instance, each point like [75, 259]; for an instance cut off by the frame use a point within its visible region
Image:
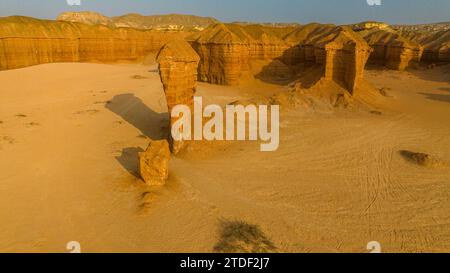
[178, 64]
[400, 55]
[346, 57]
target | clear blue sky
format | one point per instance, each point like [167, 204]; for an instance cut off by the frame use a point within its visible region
[303, 11]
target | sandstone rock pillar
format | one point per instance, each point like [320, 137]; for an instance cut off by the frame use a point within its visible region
[178, 64]
[346, 58]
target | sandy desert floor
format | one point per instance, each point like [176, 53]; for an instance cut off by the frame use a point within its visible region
[70, 134]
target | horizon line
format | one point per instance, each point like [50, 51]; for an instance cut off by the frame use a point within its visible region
[233, 21]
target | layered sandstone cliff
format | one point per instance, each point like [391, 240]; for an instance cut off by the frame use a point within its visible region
[391, 49]
[346, 55]
[436, 46]
[404, 45]
[26, 41]
[227, 52]
[178, 64]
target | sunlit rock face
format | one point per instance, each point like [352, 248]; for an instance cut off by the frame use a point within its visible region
[167, 22]
[178, 64]
[26, 41]
[391, 49]
[86, 17]
[346, 57]
[435, 39]
[228, 51]
[154, 163]
[436, 47]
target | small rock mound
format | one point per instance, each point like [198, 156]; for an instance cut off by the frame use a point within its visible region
[384, 91]
[422, 159]
[240, 237]
[154, 163]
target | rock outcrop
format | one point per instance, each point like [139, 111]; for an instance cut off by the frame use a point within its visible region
[436, 46]
[400, 47]
[370, 25]
[391, 49]
[434, 38]
[86, 17]
[27, 41]
[422, 159]
[227, 52]
[178, 64]
[340, 50]
[168, 22]
[346, 55]
[154, 163]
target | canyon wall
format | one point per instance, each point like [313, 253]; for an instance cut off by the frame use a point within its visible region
[228, 51]
[436, 46]
[178, 64]
[391, 49]
[26, 41]
[400, 46]
[341, 51]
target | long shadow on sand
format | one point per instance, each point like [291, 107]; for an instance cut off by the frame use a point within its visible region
[129, 159]
[135, 112]
[436, 97]
[438, 74]
[151, 124]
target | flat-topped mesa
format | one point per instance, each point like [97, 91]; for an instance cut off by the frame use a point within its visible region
[391, 49]
[178, 63]
[27, 41]
[226, 50]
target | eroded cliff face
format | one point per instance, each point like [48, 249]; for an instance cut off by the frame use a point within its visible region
[26, 41]
[228, 51]
[86, 17]
[391, 49]
[436, 46]
[178, 64]
[341, 52]
[168, 22]
[399, 47]
[346, 57]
